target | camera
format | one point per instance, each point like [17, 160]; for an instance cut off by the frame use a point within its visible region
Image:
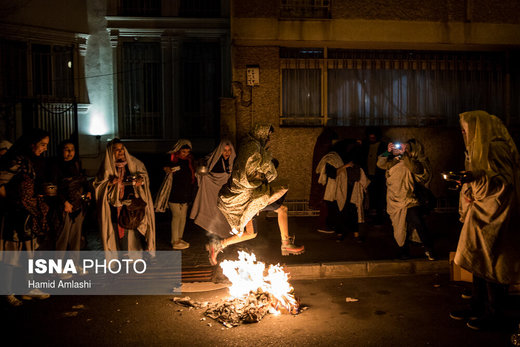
[397, 145]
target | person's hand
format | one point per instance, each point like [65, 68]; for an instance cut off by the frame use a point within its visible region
[139, 182]
[390, 147]
[68, 207]
[114, 180]
[89, 195]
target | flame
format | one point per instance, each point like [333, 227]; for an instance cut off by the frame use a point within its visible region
[247, 275]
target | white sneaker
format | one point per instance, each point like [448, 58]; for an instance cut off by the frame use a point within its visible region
[13, 300]
[36, 294]
[181, 245]
[326, 231]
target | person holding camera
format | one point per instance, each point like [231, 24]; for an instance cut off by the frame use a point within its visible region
[489, 207]
[406, 165]
[124, 201]
[178, 189]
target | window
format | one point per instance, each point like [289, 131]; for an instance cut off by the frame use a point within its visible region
[200, 91]
[145, 8]
[199, 8]
[13, 69]
[52, 73]
[141, 104]
[390, 88]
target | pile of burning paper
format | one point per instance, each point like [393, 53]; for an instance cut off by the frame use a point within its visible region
[254, 293]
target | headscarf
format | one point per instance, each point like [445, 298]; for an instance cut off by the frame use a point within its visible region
[214, 156]
[481, 130]
[260, 132]
[174, 155]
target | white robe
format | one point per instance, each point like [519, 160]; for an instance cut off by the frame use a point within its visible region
[336, 189]
[108, 195]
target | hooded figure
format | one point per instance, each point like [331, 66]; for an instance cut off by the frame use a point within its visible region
[161, 200]
[204, 210]
[251, 186]
[110, 198]
[489, 242]
[401, 174]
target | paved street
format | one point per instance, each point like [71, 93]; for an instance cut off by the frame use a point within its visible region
[391, 311]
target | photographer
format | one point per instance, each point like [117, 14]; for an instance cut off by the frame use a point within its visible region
[406, 165]
[490, 210]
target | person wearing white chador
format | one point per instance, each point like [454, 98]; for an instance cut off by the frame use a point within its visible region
[489, 207]
[406, 167]
[204, 211]
[345, 188]
[121, 179]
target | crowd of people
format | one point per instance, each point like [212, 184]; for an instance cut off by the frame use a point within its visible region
[44, 202]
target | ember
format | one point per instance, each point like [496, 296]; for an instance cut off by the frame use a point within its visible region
[253, 294]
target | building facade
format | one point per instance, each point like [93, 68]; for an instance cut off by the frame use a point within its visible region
[408, 67]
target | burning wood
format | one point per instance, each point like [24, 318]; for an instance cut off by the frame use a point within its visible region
[253, 294]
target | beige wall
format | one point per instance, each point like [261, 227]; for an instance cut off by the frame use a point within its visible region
[257, 34]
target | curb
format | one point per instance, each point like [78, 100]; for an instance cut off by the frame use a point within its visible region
[375, 268]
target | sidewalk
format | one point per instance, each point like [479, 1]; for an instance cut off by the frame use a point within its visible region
[325, 256]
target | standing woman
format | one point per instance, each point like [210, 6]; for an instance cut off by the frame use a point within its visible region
[25, 215]
[72, 194]
[219, 164]
[489, 241]
[177, 189]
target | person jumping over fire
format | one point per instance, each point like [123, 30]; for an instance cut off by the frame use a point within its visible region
[252, 189]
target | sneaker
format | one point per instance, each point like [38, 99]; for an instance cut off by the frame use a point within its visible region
[463, 315]
[429, 255]
[214, 248]
[288, 247]
[184, 243]
[466, 295]
[13, 300]
[481, 323]
[36, 294]
[180, 245]
[325, 231]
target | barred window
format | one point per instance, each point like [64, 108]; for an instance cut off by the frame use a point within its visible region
[141, 107]
[365, 88]
[52, 73]
[146, 8]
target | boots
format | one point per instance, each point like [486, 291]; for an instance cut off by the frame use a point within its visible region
[288, 247]
[214, 248]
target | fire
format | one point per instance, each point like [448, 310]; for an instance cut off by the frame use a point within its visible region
[249, 276]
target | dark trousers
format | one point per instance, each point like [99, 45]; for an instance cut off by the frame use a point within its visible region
[343, 221]
[488, 298]
[377, 194]
[415, 220]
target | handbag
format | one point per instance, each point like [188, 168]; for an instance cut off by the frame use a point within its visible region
[132, 213]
